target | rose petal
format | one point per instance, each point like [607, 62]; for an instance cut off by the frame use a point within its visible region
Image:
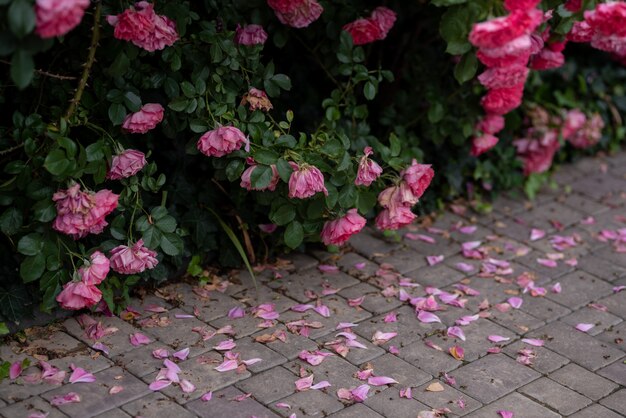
[322, 310]
[326, 268]
[360, 266]
[304, 383]
[533, 341]
[505, 414]
[80, 375]
[251, 361]
[225, 345]
[515, 302]
[406, 393]
[207, 396]
[382, 337]
[159, 384]
[237, 312]
[427, 317]
[435, 387]
[183, 316]
[618, 289]
[343, 325]
[321, 385]
[15, 370]
[547, 263]
[227, 365]
[556, 288]
[391, 317]
[115, 389]
[434, 259]
[497, 338]
[456, 332]
[182, 354]
[138, 339]
[464, 267]
[465, 320]
[360, 394]
[283, 405]
[187, 386]
[381, 380]
[160, 353]
[71, 397]
[537, 234]
[457, 352]
[468, 230]
[584, 327]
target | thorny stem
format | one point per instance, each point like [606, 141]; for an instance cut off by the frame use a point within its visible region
[46, 73]
[91, 58]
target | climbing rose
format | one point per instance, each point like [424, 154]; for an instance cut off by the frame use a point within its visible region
[337, 232]
[257, 99]
[581, 32]
[491, 124]
[245, 179]
[537, 153]
[512, 5]
[574, 121]
[78, 295]
[547, 59]
[305, 181]
[482, 144]
[502, 101]
[418, 177]
[126, 164]
[94, 271]
[608, 19]
[573, 5]
[80, 213]
[503, 77]
[132, 260]
[250, 35]
[394, 219]
[296, 13]
[368, 170]
[146, 119]
[589, 134]
[58, 17]
[363, 31]
[384, 18]
[221, 141]
[396, 196]
[143, 27]
[497, 32]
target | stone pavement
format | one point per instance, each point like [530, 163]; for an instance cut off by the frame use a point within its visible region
[515, 349]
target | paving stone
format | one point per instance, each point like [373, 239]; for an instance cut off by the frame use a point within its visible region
[544, 274]
[357, 410]
[580, 288]
[340, 311]
[31, 406]
[223, 405]
[519, 404]
[176, 332]
[480, 233]
[542, 215]
[54, 344]
[95, 397]
[583, 381]
[454, 260]
[512, 230]
[616, 402]
[615, 372]
[301, 261]
[243, 327]
[586, 315]
[269, 386]
[489, 289]
[336, 370]
[448, 398]
[438, 275]
[248, 349]
[492, 377]
[295, 285]
[596, 411]
[370, 244]
[148, 301]
[545, 361]
[516, 320]
[91, 360]
[253, 297]
[403, 260]
[292, 347]
[200, 371]
[155, 405]
[374, 301]
[388, 403]
[600, 268]
[577, 346]
[556, 396]
[428, 359]
[208, 305]
[443, 246]
[356, 355]
[141, 362]
[114, 413]
[404, 373]
[309, 403]
[348, 262]
[544, 309]
[598, 186]
[583, 204]
[615, 336]
[616, 304]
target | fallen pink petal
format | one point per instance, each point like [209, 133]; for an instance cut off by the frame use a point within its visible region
[427, 317]
[537, 234]
[360, 393]
[71, 397]
[515, 302]
[556, 288]
[304, 383]
[328, 269]
[505, 414]
[182, 354]
[160, 353]
[227, 366]
[138, 339]
[251, 361]
[406, 393]
[497, 338]
[584, 327]
[187, 386]
[321, 385]
[283, 405]
[225, 345]
[207, 396]
[434, 259]
[115, 390]
[15, 370]
[80, 375]
[382, 337]
[533, 341]
[547, 262]
[456, 332]
[381, 380]
[360, 266]
[236, 312]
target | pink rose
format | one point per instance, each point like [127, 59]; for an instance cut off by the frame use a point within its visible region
[126, 164]
[58, 17]
[497, 32]
[547, 60]
[384, 18]
[482, 144]
[537, 153]
[502, 101]
[491, 124]
[574, 121]
[395, 196]
[503, 77]
[146, 119]
[368, 170]
[305, 181]
[581, 32]
[144, 28]
[296, 13]
[250, 35]
[608, 19]
[132, 260]
[78, 295]
[221, 141]
[363, 31]
[337, 232]
[418, 177]
[245, 179]
[515, 52]
[573, 5]
[589, 134]
[257, 99]
[94, 271]
[511, 5]
[80, 213]
[389, 219]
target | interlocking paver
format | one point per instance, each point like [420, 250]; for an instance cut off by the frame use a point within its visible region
[403, 260]
[176, 332]
[370, 244]
[556, 396]
[224, 404]
[113, 413]
[155, 405]
[600, 320]
[309, 403]
[30, 406]
[615, 372]
[356, 355]
[521, 406]
[270, 385]
[205, 305]
[388, 403]
[544, 273]
[337, 371]
[249, 349]
[596, 411]
[404, 373]
[374, 301]
[579, 288]
[516, 320]
[428, 359]
[296, 284]
[543, 308]
[615, 336]
[600, 268]
[616, 304]
[449, 398]
[438, 275]
[583, 381]
[545, 361]
[357, 266]
[492, 377]
[616, 401]
[582, 204]
[356, 411]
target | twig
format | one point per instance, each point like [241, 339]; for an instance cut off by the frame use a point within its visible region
[46, 73]
[11, 149]
[91, 58]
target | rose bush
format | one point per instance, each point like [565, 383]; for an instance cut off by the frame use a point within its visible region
[134, 135]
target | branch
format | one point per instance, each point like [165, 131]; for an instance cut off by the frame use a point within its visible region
[46, 73]
[11, 149]
[91, 58]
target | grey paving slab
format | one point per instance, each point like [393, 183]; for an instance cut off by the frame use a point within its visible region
[545, 360]
[544, 309]
[113, 413]
[357, 266]
[176, 331]
[438, 275]
[542, 216]
[140, 361]
[492, 377]
[295, 285]
[254, 297]
[520, 405]
[309, 403]
[388, 403]
[206, 305]
[596, 411]
[225, 404]
[404, 373]
[356, 411]
[615, 372]
[371, 244]
[580, 288]
[269, 386]
[403, 260]
[616, 304]
[156, 405]
[583, 381]
[249, 349]
[443, 246]
[516, 320]
[428, 359]
[459, 403]
[616, 402]
[337, 371]
[583, 204]
[600, 268]
[374, 301]
[544, 274]
[601, 320]
[556, 396]
[615, 336]
[356, 355]
[293, 345]
[30, 406]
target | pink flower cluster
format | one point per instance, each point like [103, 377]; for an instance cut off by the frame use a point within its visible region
[504, 46]
[146, 119]
[58, 17]
[604, 28]
[338, 231]
[143, 27]
[221, 141]
[296, 13]
[398, 200]
[133, 260]
[250, 35]
[81, 213]
[580, 131]
[82, 291]
[305, 181]
[126, 164]
[374, 28]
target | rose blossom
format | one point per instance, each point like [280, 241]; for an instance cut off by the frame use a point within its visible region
[511, 5]
[131, 260]
[126, 164]
[250, 35]
[147, 118]
[608, 18]
[502, 101]
[547, 59]
[396, 196]
[482, 144]
[537, 153]
[368, 170]
[221, 141]
[80, 213]
[245, 179]
[78, 295]
[296, 13]
[497, 32]
[58, 17]
[384, 18]
[581, 32]
[573, 5]
[94, 271]
[589, 134]
[503, 77]
[574, 121]
[337, 232]
[418, 177]
[363, 31]
[257, 99]
[143, 27]
[305, 181]
[394, 219]
[491, 124]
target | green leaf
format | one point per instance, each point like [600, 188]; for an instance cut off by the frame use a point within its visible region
[117, 113]
[21, 17]
[284, 170]
[171, 244]
[265, 156]
[283, 215]
[152, 237]
[446, 3]
[56, 162]
[11, 221]
[158, 212]
[465, 69]
[30, 244]
[188, 89]
[22, 68]
[14, 302]
[44, 211]
[132, 101]
[395, 145]
[286, 140]
[347, 196]
[369, 90]
[367, 200]
[166, 224]
[32, 267]
[261, 177]
[294, 234]
[234, 169]
[282, 81]
[4, 330]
